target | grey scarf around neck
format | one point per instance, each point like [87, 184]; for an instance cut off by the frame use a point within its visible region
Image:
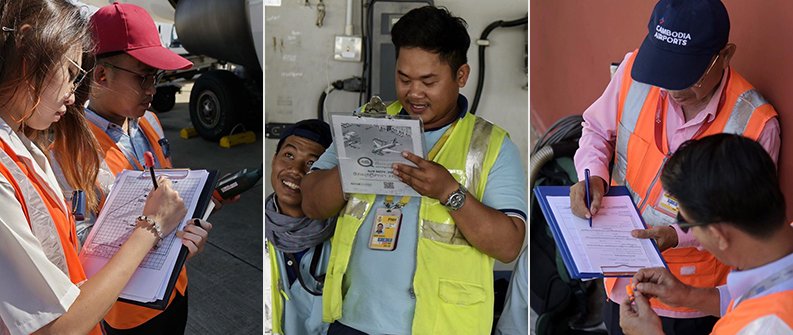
[288, 234]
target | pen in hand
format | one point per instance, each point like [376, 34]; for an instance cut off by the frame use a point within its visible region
[149, 160]
[588, 198]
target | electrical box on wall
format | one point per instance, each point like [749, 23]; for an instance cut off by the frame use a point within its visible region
[347, 48]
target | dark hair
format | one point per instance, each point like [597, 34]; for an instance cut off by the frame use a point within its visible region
[727, 178]
[433, 29]
[313, 129]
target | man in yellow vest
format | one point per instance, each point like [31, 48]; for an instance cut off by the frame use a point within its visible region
[439, 278]
[298, 247]
[730, 199]
[677, 86]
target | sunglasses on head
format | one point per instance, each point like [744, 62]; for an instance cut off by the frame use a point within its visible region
[685, 225]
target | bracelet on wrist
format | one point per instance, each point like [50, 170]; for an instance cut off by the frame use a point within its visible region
[154, 228]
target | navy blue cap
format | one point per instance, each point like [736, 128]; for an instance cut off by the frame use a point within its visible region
[683, 38]
[313, 129]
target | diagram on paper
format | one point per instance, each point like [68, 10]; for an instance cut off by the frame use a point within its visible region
[119, 219]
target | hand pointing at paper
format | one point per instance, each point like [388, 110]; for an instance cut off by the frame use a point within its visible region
[664, 236]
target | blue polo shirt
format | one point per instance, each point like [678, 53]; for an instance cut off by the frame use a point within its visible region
[376, 286]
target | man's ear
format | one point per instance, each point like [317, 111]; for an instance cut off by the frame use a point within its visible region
[100, 75]
[721, 233]
[461, 76]
[726, 54]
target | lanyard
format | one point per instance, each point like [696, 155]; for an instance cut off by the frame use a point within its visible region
[292, 262]
[389, 199]
[777, 278]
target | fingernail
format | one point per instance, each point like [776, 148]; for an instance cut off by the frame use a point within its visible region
[396, 173]
[405, 154]
[635, 234]
[587, 215]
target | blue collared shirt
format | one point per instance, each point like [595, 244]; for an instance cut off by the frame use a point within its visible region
[740, 282]
[135, 143]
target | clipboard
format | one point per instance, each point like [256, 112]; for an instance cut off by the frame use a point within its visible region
[615, 270]
[107, 237]
[203, 202]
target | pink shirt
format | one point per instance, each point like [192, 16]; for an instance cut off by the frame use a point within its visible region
[596, 148]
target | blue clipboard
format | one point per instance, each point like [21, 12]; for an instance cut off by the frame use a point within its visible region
[542, 192]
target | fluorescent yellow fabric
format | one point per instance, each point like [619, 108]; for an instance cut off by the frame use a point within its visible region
[453, 281]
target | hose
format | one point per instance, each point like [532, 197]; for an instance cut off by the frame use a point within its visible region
[538, 160]
[321, 103]
[483, 43]
[555, 143]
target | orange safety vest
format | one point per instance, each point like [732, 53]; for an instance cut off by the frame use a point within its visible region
[123, 315]
[639, 162]
[62, 221]
[779, 304]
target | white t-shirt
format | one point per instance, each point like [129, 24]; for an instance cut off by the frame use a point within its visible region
[33, 291]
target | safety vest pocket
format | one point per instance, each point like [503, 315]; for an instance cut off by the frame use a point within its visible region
[461, 308]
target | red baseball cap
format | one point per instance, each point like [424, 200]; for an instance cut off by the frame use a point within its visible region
[129, 28]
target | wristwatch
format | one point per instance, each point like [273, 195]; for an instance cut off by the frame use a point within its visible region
[456, 199]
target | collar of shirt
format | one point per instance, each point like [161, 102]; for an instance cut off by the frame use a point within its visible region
[707, 114]
[34, 158]
[739, 282]
[106, 125]
[462, 103]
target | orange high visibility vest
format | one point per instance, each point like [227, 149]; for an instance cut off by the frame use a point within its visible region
[123, 315]
[639, 162]
[62, 220]
[779, 304]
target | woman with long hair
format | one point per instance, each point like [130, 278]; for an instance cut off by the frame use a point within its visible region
[43, 288]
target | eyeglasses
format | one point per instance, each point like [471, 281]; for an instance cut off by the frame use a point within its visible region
[147, 81]
[685, 225]
[698, 84]
[81, 74]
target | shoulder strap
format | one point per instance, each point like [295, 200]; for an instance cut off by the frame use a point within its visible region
[296, 267]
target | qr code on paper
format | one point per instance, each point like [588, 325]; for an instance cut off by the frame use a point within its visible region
[388, 185]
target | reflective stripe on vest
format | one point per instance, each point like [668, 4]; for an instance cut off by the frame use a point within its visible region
[639, 163]
[39, 218]
[123, 315]
[633, 105]
[735, 321]
[452, 281]
[151, 126]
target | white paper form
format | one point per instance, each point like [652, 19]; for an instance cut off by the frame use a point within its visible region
[608, 246]
[116, 222]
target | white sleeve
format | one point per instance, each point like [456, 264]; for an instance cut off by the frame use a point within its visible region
[33, 291]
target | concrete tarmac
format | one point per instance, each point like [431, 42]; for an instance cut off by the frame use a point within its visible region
[225, 280]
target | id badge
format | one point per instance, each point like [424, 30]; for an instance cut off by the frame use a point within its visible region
[667, 205]
[385, 229]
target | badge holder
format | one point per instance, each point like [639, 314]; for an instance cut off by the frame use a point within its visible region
[667, 204]
[387, 221]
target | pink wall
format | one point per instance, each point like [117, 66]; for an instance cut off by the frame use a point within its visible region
[574, 41]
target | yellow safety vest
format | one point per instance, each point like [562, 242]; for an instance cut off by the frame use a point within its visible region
[453, 281]
[276, 292]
